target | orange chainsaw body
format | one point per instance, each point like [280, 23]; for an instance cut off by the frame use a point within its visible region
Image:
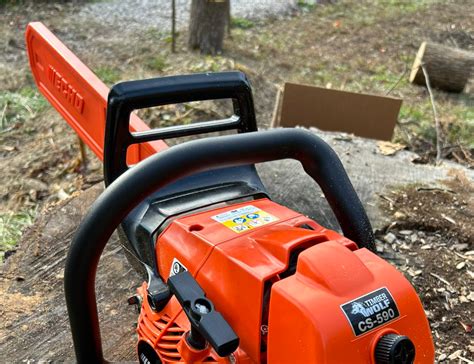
[292, 290]
[279, 318]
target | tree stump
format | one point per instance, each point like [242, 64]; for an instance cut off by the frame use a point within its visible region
[448, 68]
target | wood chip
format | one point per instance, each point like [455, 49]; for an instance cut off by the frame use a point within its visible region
[62, 195]
[7, 148]
[461, 265]
[414, 273]
[442, 357]
[455, 355]
[386, 198]
[447, 218]
[460, 247]
[390, 238]
[440, 279]
[463, 256]
[399, 215]
[421, 189]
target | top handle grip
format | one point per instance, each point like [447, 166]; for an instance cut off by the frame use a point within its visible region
[127, 96]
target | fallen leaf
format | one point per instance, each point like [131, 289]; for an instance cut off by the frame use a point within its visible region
[388, 148]
[467, 328]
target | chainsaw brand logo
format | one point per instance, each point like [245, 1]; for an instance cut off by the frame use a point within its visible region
[373, 305]
[359, 308]
[372, 310]
[73, 97]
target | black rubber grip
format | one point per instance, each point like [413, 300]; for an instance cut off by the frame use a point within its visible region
[127, 96]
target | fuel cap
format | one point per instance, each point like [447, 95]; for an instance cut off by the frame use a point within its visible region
[394, 349]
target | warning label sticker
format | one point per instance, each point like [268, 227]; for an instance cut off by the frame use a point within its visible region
[244, 218]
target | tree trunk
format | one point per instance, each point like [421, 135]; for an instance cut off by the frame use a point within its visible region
[448, 68]
[207, 25]
[173, 26]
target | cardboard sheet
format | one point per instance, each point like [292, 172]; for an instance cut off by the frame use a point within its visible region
[361, 114]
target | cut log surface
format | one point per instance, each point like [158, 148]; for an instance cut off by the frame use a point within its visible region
[34, 323]
[448, 69]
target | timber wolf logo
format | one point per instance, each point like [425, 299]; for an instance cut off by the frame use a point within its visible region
[357, 307]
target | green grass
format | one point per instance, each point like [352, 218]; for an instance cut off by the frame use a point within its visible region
[419, 119]
[210, 64]
[366, 13]
[156, 63]
[12, 225]
[18, 106]
[108, 75]
[241, 23]
[306, 5]
[462, 132]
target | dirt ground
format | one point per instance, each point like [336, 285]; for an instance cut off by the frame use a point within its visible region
[431, 240]
[364, 46]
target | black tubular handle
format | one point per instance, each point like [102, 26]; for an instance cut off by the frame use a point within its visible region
[127, 96]
[114, 204]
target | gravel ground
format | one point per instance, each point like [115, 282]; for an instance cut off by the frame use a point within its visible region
[136, 15]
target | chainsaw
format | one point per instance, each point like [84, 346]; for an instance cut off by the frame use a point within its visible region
[230, 276]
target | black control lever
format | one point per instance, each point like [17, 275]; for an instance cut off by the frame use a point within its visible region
[206, 323]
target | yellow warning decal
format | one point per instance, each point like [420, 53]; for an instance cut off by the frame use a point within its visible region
[244, 218]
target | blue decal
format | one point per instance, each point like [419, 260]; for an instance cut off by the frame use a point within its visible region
[253, 216]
